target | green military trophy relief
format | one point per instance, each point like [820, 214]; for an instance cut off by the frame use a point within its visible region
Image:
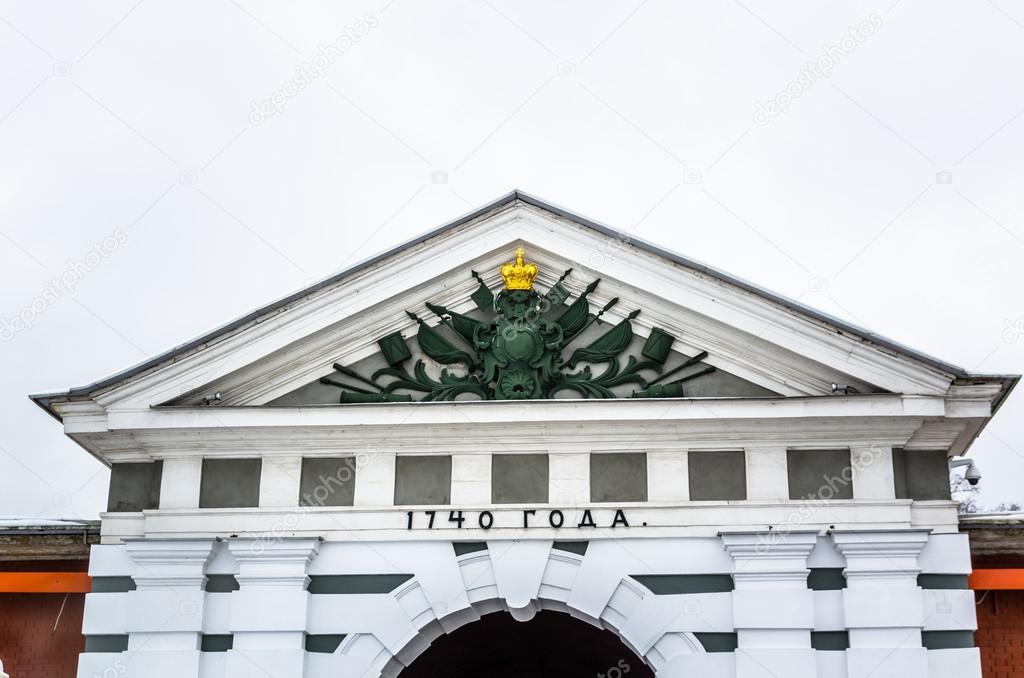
[517, 354]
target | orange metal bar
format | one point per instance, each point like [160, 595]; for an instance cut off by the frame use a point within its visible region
[45, 582]
[997, 580]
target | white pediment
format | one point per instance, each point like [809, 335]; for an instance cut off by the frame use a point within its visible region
[777, 347]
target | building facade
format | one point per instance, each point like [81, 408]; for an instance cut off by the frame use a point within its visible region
[525, 444]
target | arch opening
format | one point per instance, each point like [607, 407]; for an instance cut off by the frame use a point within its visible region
[551, 644]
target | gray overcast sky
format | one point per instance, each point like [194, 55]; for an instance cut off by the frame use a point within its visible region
[140, 162]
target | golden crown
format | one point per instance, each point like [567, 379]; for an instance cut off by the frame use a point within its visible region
[519, 275]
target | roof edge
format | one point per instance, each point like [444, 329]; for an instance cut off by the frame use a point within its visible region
[45, 400]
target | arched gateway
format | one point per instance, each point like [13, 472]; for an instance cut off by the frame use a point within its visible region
[526, 444]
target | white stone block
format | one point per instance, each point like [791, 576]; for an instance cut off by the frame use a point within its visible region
[872, 472]
[768, 663]
[471, 479]
[828, 611]
[375, 480]
[147, 663]
[255, 662]
[831, 664]
[102, 665]
[110, 560]
[883, 606]
[668, 476]
[279, 480]
[569, 479]
[704, 664]
[954, 663]
[217, 613]
[767, 473]
[773, 609]
[945, 554]
[105, 613]
[887, 663]
[165, 610]
[268, 610]
[179, 483]
[949, 610]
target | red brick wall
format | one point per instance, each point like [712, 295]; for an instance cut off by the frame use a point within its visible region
[29, 646]
[1001, 633]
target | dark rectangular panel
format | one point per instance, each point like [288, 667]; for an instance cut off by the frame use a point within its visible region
[216, 642]
[464, 547]
[577, 547]
[134, 486]
[230, 483]
[899, 473]
[106, 643]
[668, 584]
[718, 642]
[717, 475]
[947, 640]
[221, 583]
[826, 579]
[942, 581]
[356, 583]
[327, 481]
[831, 641]
[618, 477]
[927, 474]
[325, 643]
[112, 584]
[820, 474]
[519, 479]
[423, 480]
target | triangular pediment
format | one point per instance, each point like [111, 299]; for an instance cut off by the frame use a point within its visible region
[748, 342]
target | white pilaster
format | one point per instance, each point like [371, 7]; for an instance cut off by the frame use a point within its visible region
[767, 473]
[872, 472]
[569, 478]
[375, 479]
[179, 483]
[279, 480]
[882, 603]
[269, 611]
[165, 612]
[471, 479]
[773, 610]
[668, 476]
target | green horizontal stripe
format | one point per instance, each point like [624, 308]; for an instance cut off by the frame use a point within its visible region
[666, 584]
[216, 643]
[942, 581]
[577, 547]
[356, 583]
[112, 584]
[718, 642]
[826, 579]
[324, 643]
[106, 643]
[834, 641]
[464, 547]
[221, 583]
[947, 640]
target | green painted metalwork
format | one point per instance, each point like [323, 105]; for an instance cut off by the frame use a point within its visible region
[517, 352]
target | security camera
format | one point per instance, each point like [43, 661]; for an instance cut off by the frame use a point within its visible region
[211, 399]
[972, 475]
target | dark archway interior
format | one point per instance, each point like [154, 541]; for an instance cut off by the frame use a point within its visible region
[551, 645]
